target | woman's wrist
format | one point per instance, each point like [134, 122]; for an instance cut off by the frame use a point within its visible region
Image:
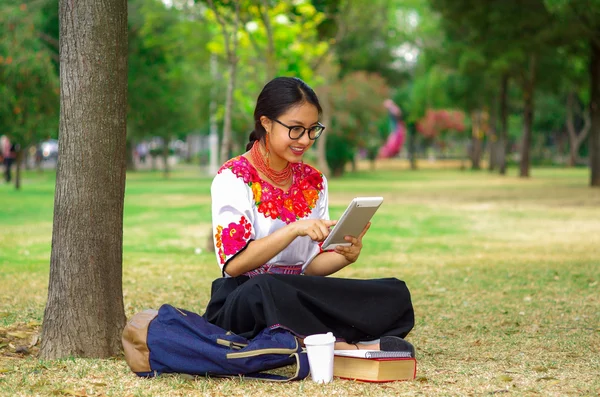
[293, 229]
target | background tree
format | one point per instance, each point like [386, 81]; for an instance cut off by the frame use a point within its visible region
[229, 23]
[495, 31]
[287, 28]
[580, 20]
[84, 314]
[357, 101]
[168, 74]
[29, 88]
[347, 28]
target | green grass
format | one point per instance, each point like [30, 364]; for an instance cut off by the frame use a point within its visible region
[504, 275]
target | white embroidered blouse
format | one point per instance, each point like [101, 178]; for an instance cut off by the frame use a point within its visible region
[246, 208]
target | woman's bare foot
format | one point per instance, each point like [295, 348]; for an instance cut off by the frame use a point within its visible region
[355, 346]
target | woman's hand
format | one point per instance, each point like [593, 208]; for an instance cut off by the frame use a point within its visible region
[352, 252]
[316, 229]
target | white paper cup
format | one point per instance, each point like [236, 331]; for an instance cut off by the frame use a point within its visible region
[319, 348]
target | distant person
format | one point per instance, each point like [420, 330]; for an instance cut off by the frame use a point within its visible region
[9, 154]
[270, 215]
[142, 151]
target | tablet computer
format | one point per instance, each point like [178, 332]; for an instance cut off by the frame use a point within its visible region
[353, 221]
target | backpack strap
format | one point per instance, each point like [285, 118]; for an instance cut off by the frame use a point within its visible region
[302, 371]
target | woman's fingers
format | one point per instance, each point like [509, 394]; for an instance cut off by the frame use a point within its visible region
[362, 234]
[320, 232]
[328, 223]
[317, 233]
[324, 227]
[316, 229]
[351, 240]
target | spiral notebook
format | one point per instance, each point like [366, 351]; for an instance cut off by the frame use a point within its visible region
[372, 354]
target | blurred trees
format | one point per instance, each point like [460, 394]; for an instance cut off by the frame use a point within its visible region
[28, 78]
[271, 38]
[168, 77]
[358, 102]
[530, 67]
[492, 42]
[580, 23]
[539, 46]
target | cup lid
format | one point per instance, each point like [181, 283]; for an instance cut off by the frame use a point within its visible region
[319, 339]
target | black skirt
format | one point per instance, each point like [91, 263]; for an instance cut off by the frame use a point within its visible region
[353, 310]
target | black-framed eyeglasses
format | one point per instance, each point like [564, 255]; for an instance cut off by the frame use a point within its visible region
[297, 131]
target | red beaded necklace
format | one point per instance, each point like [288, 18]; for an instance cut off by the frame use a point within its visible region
[279, 177]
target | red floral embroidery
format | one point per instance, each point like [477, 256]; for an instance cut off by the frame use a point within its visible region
[230, 240]
[272, 201]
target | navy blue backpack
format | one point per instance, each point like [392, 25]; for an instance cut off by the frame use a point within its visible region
[172, 340]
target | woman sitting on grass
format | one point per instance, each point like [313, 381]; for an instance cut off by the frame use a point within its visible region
[270, 214]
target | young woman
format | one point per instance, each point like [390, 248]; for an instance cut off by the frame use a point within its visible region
[270, 214]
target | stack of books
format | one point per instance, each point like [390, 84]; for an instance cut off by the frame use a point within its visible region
[374, 365]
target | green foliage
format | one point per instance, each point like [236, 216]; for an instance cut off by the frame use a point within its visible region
[28, 81]
[339, 152]
[169, 80]
[358, 111]
[551, 113]
[366, 36]
[289, 46]
[440, 54]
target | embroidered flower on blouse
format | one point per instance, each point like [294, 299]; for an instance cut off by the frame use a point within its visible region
[219, 244]
[257, 191]
[272, 201]
[231, 239]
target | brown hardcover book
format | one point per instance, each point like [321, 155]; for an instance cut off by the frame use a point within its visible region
[374, 369]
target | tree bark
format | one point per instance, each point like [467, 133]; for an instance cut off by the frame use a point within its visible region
[321, 143]
[412, 145]
[595, 113]
[575, 138]
[130, 155]
[231, 44]
[227, 142]
[503, 137]
[528, 106]
[18, 161]
[165, 156]
[493, 136]
[270, 55]
[84, 314]
[477, 118]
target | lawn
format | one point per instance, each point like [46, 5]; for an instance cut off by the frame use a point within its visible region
[504, 275]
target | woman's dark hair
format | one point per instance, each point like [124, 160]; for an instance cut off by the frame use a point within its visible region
[276, 98]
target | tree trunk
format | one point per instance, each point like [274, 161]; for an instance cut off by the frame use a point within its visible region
[226, 143]
[165, 157]
[477, 118]
[270, 55]
[231, 43]
[493, 136]
[595, 113]
[503, 137]
[130, 155]
[575, 138]
[213, 138]
[18, 161]
[26, 157]
[322, 141]
[412, 145]
[84, 313]
[528, 93]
